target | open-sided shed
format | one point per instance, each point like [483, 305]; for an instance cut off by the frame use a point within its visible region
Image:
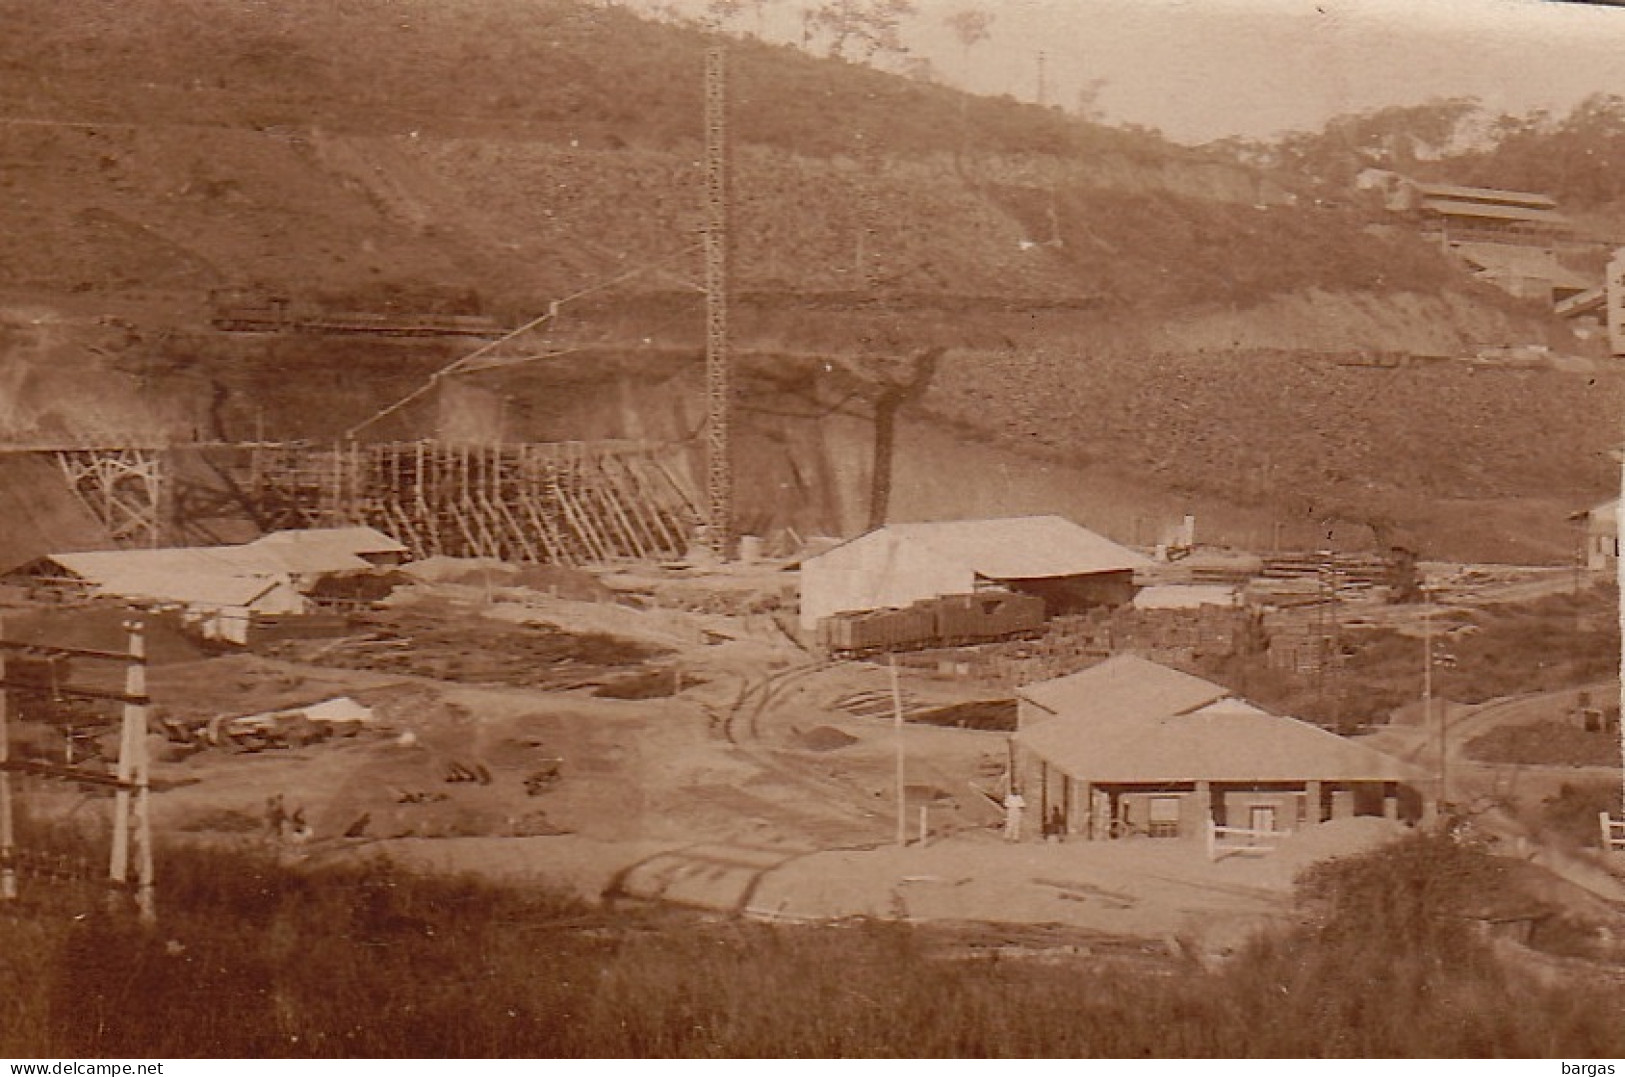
[1133, 747]
[1069, 566]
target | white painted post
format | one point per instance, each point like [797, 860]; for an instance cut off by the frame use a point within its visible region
[118, 868]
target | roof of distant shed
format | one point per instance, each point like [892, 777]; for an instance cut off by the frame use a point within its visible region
[1123, 687]
[356, 540]
[165, 572]
[1143, 726]
[1021, 547]
[1226, 741]
[205, 575]
[1487, 194]
[1452, 207]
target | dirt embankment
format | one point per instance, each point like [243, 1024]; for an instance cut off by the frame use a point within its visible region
[1139, 317]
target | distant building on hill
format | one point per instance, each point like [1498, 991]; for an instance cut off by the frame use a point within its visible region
[1070, 567]
[1601, 523]
[1507, 238]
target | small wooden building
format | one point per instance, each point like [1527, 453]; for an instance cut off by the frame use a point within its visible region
[1601, 535]
[1130, 747]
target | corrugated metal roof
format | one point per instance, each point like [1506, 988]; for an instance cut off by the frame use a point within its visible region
[1184, 596]
[1502, 259]
[98, 566]
[1022, 547]
[1224, 741]
[277, 554]
[1452, 207]
[1487, 194]
[208, 576]
[1122, 687]
[170, 573]
[351, 540]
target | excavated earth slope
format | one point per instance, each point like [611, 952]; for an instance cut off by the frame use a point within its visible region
[1133, 315]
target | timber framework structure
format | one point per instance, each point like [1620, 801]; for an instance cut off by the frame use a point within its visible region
[567, 503]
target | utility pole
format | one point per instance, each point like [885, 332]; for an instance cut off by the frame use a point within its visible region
[1427, 695]
[897, 731]
[8, 839]
[1619, 568]
[718, 372]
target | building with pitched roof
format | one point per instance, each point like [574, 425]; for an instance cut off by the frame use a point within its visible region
[1070, 567]
[222, 588]
[1133, 747]
[1601, 540]
[331, 549]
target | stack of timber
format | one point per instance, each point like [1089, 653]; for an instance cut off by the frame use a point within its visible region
[1348, 576]
[568, 503]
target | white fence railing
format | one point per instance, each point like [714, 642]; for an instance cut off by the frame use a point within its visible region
[1222, 840]
[1613, 832]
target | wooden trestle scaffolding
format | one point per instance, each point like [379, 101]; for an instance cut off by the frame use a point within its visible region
[122, 487]
[563, 503]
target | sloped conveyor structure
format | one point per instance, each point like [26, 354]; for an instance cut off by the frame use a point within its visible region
[561, 503]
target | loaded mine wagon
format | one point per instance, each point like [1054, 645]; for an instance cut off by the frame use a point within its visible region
[943, 621]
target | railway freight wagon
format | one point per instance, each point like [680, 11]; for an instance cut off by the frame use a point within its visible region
[945, 621]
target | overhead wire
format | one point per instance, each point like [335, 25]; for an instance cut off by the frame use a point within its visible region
[462, 363]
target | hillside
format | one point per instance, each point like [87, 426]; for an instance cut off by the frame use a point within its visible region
[1128, 309]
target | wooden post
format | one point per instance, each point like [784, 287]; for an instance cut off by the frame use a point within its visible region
[897, 728]
[1619, 562]
[135, 718]
[8, 839]
[1311, 792]
[1204, 801]
[118, 868]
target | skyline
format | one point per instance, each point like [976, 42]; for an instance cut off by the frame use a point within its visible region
[1199, 71]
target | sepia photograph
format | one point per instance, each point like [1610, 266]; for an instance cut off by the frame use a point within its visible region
[811, 529]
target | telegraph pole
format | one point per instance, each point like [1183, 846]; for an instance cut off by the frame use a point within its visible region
[718, 372]
[897, 734]
[1619, 567]
[1427, 695]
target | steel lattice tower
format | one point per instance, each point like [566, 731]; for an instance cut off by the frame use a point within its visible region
[718, 375]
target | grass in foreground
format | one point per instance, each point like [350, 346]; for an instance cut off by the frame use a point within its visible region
[257, 960]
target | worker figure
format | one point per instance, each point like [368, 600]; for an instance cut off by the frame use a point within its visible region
[1014, 806]
[301, 831]
[276, 817]
[1055, 826]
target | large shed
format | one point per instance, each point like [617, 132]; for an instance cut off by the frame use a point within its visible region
[1069, 566]
[1133, 747]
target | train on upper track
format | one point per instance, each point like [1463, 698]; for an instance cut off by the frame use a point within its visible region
[944, 621]
[239, 311]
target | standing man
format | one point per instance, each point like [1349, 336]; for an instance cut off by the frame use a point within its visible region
[1014, 806]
